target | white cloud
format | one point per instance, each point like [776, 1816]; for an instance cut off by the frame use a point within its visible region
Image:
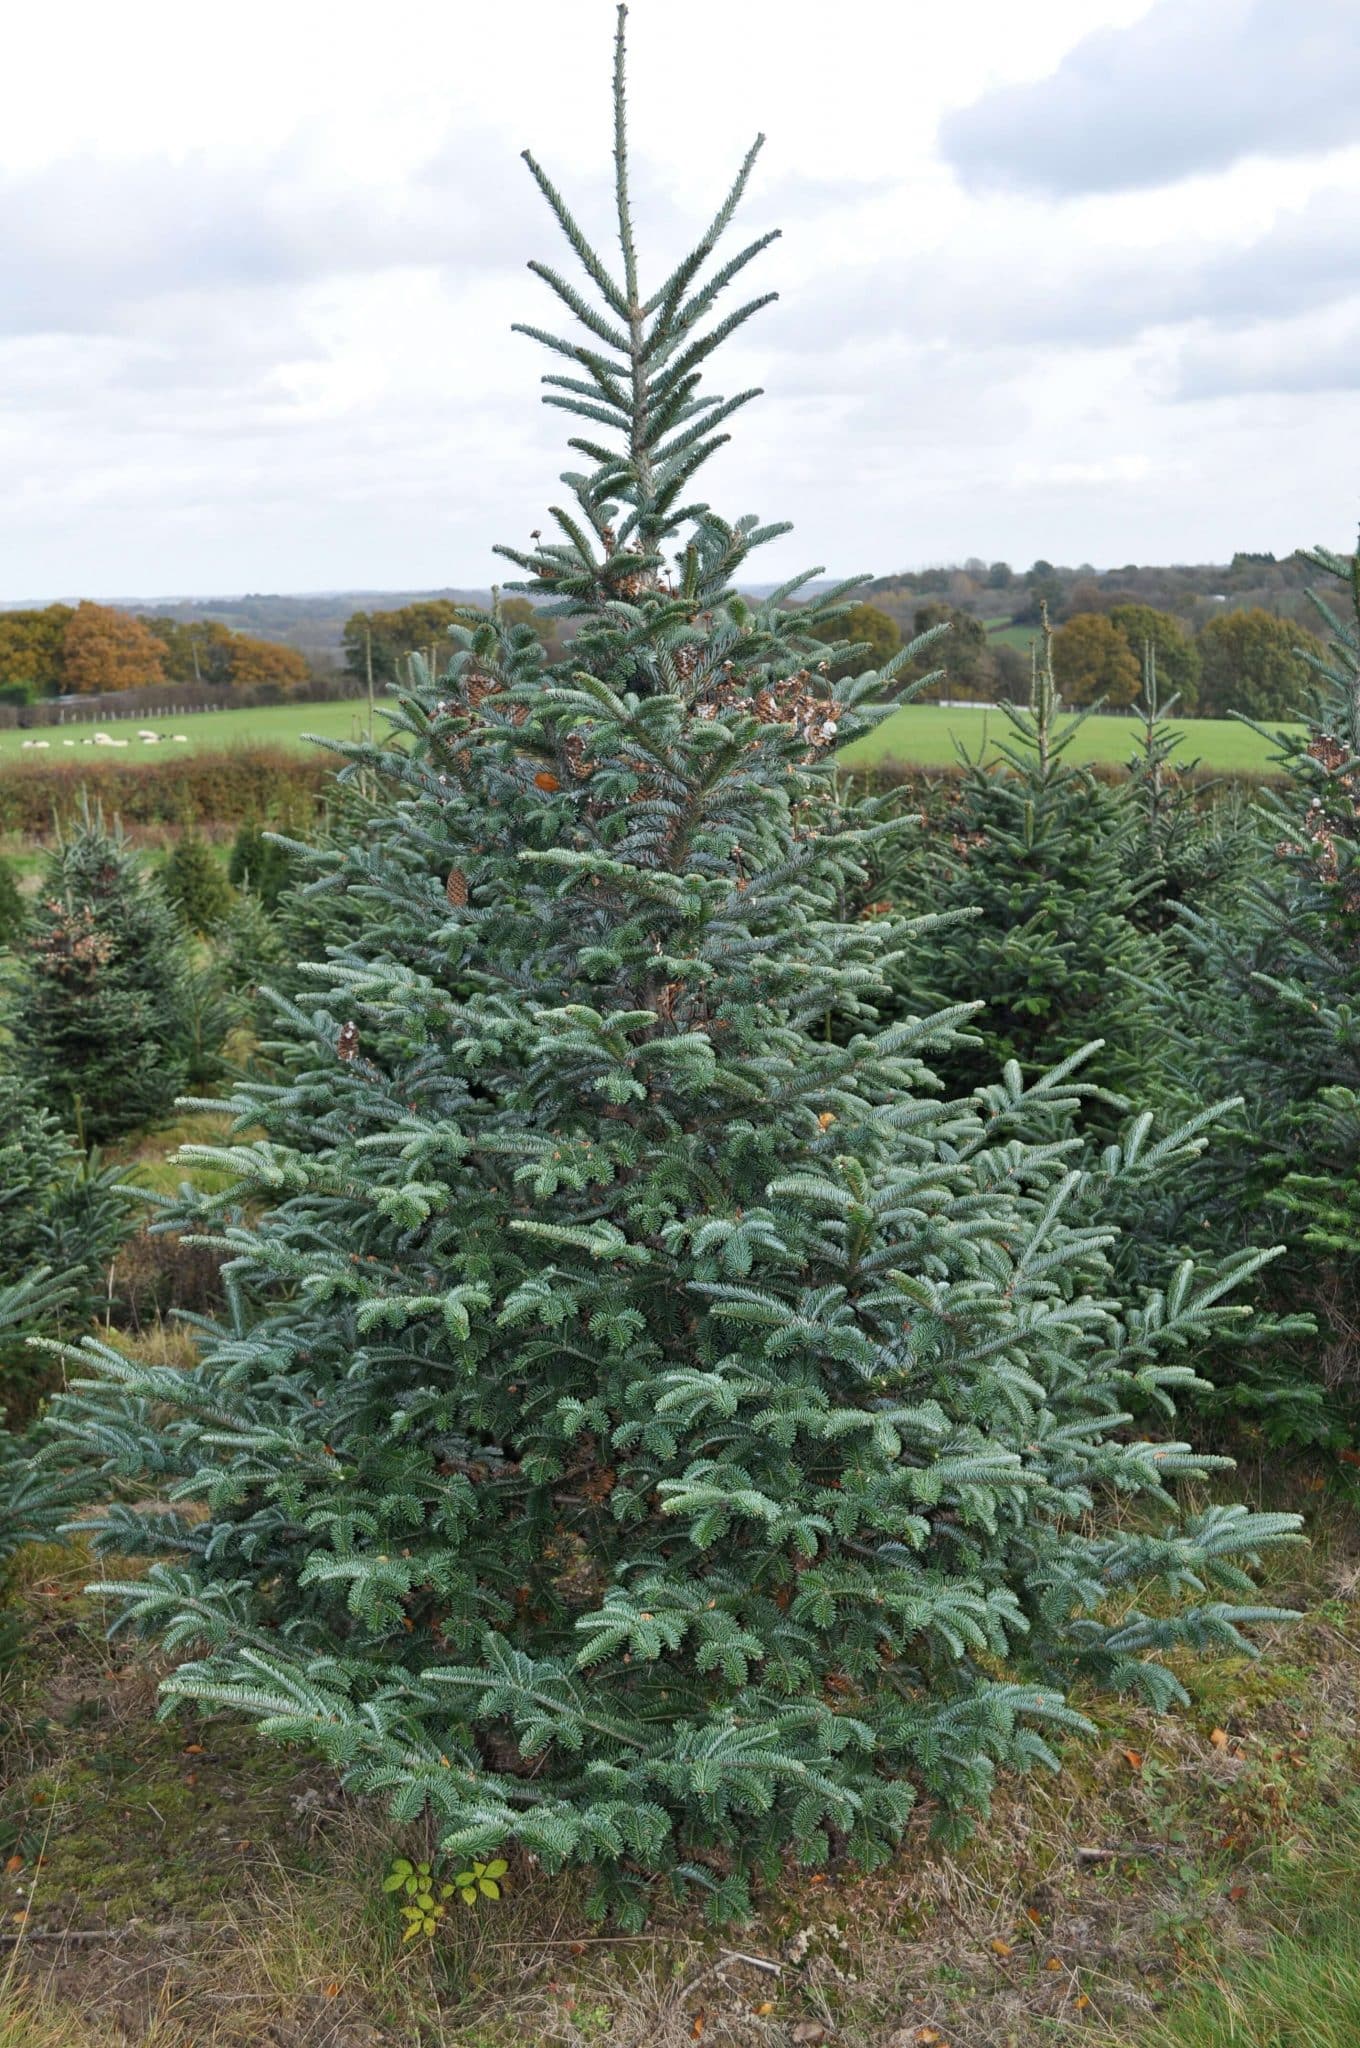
[1194, 85]
[255, 309]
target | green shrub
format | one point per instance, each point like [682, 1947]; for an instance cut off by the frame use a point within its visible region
[201, 788]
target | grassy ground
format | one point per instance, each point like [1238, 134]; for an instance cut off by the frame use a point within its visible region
[927, 735]
[931, 735]
[1002, 633]
[1193, 1880]
[275, 725]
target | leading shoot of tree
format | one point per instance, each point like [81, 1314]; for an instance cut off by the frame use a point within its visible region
[652, 1429]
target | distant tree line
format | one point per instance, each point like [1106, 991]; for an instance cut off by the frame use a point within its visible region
[92, 650]
[1217, 655]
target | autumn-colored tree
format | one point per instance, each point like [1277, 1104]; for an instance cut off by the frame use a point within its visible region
[1093, 661]
[196, 650]
[388, 637]
[1175, 652]
[32, 648]
[107, 649]
[1254, 663]
[962, 652]
[257, 663]
[880, 635]
[206, 651]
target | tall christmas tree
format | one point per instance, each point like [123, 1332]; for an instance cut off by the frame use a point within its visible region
[651, 1432]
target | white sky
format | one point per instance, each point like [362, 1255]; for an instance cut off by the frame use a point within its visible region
[1078, 278]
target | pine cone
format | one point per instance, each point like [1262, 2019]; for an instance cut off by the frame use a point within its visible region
[456, 889]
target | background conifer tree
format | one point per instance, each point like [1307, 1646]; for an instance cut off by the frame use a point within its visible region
[196, 884]
[103, 1017]
[1193, 841]
[260, 863]
[649, 1431]
[1037, 871]
[60, 1214]
[13, 909]
[1277, 991]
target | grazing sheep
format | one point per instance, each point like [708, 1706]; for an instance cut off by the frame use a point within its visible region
[182, 737]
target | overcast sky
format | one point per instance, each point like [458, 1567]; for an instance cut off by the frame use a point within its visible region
[1078, 278]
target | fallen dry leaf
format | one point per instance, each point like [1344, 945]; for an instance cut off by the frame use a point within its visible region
[332, 1990]
[700, 2019]
[1134, 1759]
[13, 1863]
[1053, 1964]
[998, 1946]
[1219, 1738]
[764, 2009]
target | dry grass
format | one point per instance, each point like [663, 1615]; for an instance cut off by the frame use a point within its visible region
[185, 1887]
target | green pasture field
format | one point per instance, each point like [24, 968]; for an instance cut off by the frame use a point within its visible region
[933, 735]
[269, 725]
[1004, 634]
[921, 735]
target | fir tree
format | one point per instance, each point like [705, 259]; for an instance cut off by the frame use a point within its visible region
[1193, 840]
[61, 1212]
[194, 883]
[1036, 875]
[13, 910]
[260, 863]
[1278, 998]
[103, 1017]
[36, 1491]
[648, 1431]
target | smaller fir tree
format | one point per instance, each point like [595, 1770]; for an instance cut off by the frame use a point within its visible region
[196, 885]
[1033, 878]
[1194, 839]
[61, 1213]
[103, 1015]
[13, 909]
[261, 864]
[1277, 1006]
